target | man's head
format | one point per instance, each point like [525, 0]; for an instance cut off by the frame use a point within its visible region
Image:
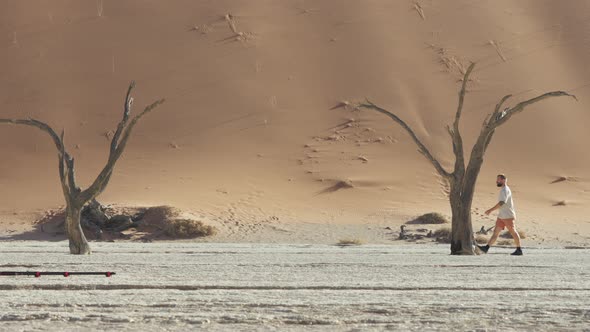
[501, 180]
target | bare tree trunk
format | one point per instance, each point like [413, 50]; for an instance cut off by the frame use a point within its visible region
[78, 243]
[462, 231]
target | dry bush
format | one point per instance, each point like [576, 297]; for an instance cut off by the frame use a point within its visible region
[481, 239]
[158, 214]
[443, 235]
[430, 218]
[349, 242]
[187, 228]
[507, 235]
[168, 219]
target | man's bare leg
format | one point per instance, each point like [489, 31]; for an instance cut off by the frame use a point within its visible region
[515, 235]
[494, 237]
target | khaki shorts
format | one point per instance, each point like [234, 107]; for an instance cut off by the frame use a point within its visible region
[501, 223]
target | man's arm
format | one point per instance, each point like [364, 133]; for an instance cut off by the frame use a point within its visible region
[497, 206]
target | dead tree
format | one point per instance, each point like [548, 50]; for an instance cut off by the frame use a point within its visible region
[462, 179]
[75, 197]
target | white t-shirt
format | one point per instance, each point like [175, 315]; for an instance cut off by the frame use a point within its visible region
[506, 210]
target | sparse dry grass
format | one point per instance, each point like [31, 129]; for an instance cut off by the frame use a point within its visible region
[430, 218]
[443, 235]
[349, 242]
[187, 228]
[504, 243]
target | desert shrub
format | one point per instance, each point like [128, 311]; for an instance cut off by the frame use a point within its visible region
[349, 242]
[430, 218]
[507, 235]
[481, 239]
[157, 214]
[443, 235]
[187, 228]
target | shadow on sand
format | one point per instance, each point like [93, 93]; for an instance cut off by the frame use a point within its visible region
[49, 227]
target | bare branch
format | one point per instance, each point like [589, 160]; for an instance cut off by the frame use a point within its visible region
[450, 131]
[41, 125]
[123, 122]
[65, 174]
[456, 133]
[127, 134]
[103, 178]
[488, 140]
[501, 118]
[421, 146]
[462, 95]
[502, 101]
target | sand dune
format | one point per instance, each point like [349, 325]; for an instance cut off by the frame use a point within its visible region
[259, 116]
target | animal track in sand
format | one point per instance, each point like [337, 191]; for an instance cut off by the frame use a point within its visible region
[451, 62]
[498, 50]
[339, 146]
[303, 11]
[203, 29]
[420, 10]
[565, 179]
[108, 134]
[273, 101]
[238, 35]
[99, 8]
[341, 184]
[345, 104]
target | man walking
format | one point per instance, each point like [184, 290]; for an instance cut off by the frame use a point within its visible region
[506, 216]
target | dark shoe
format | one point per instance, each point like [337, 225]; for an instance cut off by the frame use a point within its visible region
[485, 248]
[517, 252]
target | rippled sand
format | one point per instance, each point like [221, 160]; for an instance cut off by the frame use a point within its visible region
[182, 286]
